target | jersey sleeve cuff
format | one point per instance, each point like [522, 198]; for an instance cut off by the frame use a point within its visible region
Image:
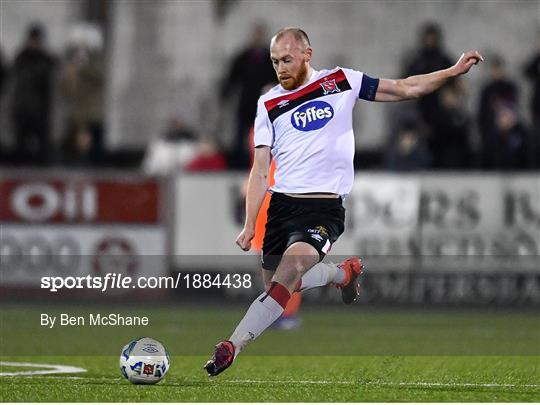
[368, 88]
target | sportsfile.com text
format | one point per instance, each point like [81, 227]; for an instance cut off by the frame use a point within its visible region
[119, 281]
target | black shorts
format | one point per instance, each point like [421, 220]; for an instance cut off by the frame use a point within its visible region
[317, 221]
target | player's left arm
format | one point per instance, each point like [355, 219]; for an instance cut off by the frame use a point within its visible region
[417, 86]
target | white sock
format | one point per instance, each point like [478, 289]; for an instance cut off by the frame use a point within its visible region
[322, 274]
[262, 313]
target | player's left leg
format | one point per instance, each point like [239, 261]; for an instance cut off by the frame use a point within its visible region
[320, 275]
[343, 275]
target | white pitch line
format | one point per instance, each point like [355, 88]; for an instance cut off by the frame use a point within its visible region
[51, 369]
[328, 382]
[64, 377]
[400, 384]
[431, 384]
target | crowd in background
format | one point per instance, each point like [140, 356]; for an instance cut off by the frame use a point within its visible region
[38, 79]
[438, 133]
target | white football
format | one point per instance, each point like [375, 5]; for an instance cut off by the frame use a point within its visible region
[144, 361]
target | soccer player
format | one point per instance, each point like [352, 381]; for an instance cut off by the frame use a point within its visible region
[289, 319]
[305, 123]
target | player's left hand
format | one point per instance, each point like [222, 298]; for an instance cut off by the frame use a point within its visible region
[466, 61]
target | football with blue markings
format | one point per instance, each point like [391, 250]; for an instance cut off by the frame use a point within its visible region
[144, 361]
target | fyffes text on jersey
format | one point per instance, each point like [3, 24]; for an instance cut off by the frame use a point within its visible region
[311, 116]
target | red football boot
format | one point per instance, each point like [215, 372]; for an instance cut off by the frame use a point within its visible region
[350, 286]
[222, 358]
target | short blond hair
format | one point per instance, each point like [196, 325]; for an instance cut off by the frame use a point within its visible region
[298, 33]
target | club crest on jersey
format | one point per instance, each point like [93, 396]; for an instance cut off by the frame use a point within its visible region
[311, 116]
[330, 86]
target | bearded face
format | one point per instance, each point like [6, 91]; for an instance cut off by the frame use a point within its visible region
[291, 62]
[293, 79]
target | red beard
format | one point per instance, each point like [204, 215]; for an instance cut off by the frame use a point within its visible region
[293, 81]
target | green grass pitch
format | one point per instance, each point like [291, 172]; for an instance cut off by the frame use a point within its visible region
[337, 356]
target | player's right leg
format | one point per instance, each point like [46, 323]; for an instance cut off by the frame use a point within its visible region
[267, 307]
[291, 246]
[267, 278]
[297, 271]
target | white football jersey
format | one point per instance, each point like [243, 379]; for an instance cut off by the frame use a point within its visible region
[310, 132]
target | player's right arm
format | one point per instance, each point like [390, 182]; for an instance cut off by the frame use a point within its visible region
[256, 190]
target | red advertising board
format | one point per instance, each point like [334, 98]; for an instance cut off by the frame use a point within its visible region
[31, 200]
[76, 223]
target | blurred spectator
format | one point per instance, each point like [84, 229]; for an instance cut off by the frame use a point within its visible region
[3, 78]
[3, 72]
[209, 157]
[178, 131]
[431, 56]
[449, 141]
[172, 151]
[408, 150]
[509, 151]
[532, 72]
[31, 102]
[498, 91]
[250, 71]
[83, 85]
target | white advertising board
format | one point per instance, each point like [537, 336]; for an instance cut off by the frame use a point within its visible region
[381, 220]
[423, 222]
[29, 253]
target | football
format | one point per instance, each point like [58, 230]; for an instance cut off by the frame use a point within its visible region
[144, 361]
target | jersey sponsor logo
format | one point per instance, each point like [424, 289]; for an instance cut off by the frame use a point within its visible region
[311, 116]
[333, 83]
[283, 103]
[329, 87]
